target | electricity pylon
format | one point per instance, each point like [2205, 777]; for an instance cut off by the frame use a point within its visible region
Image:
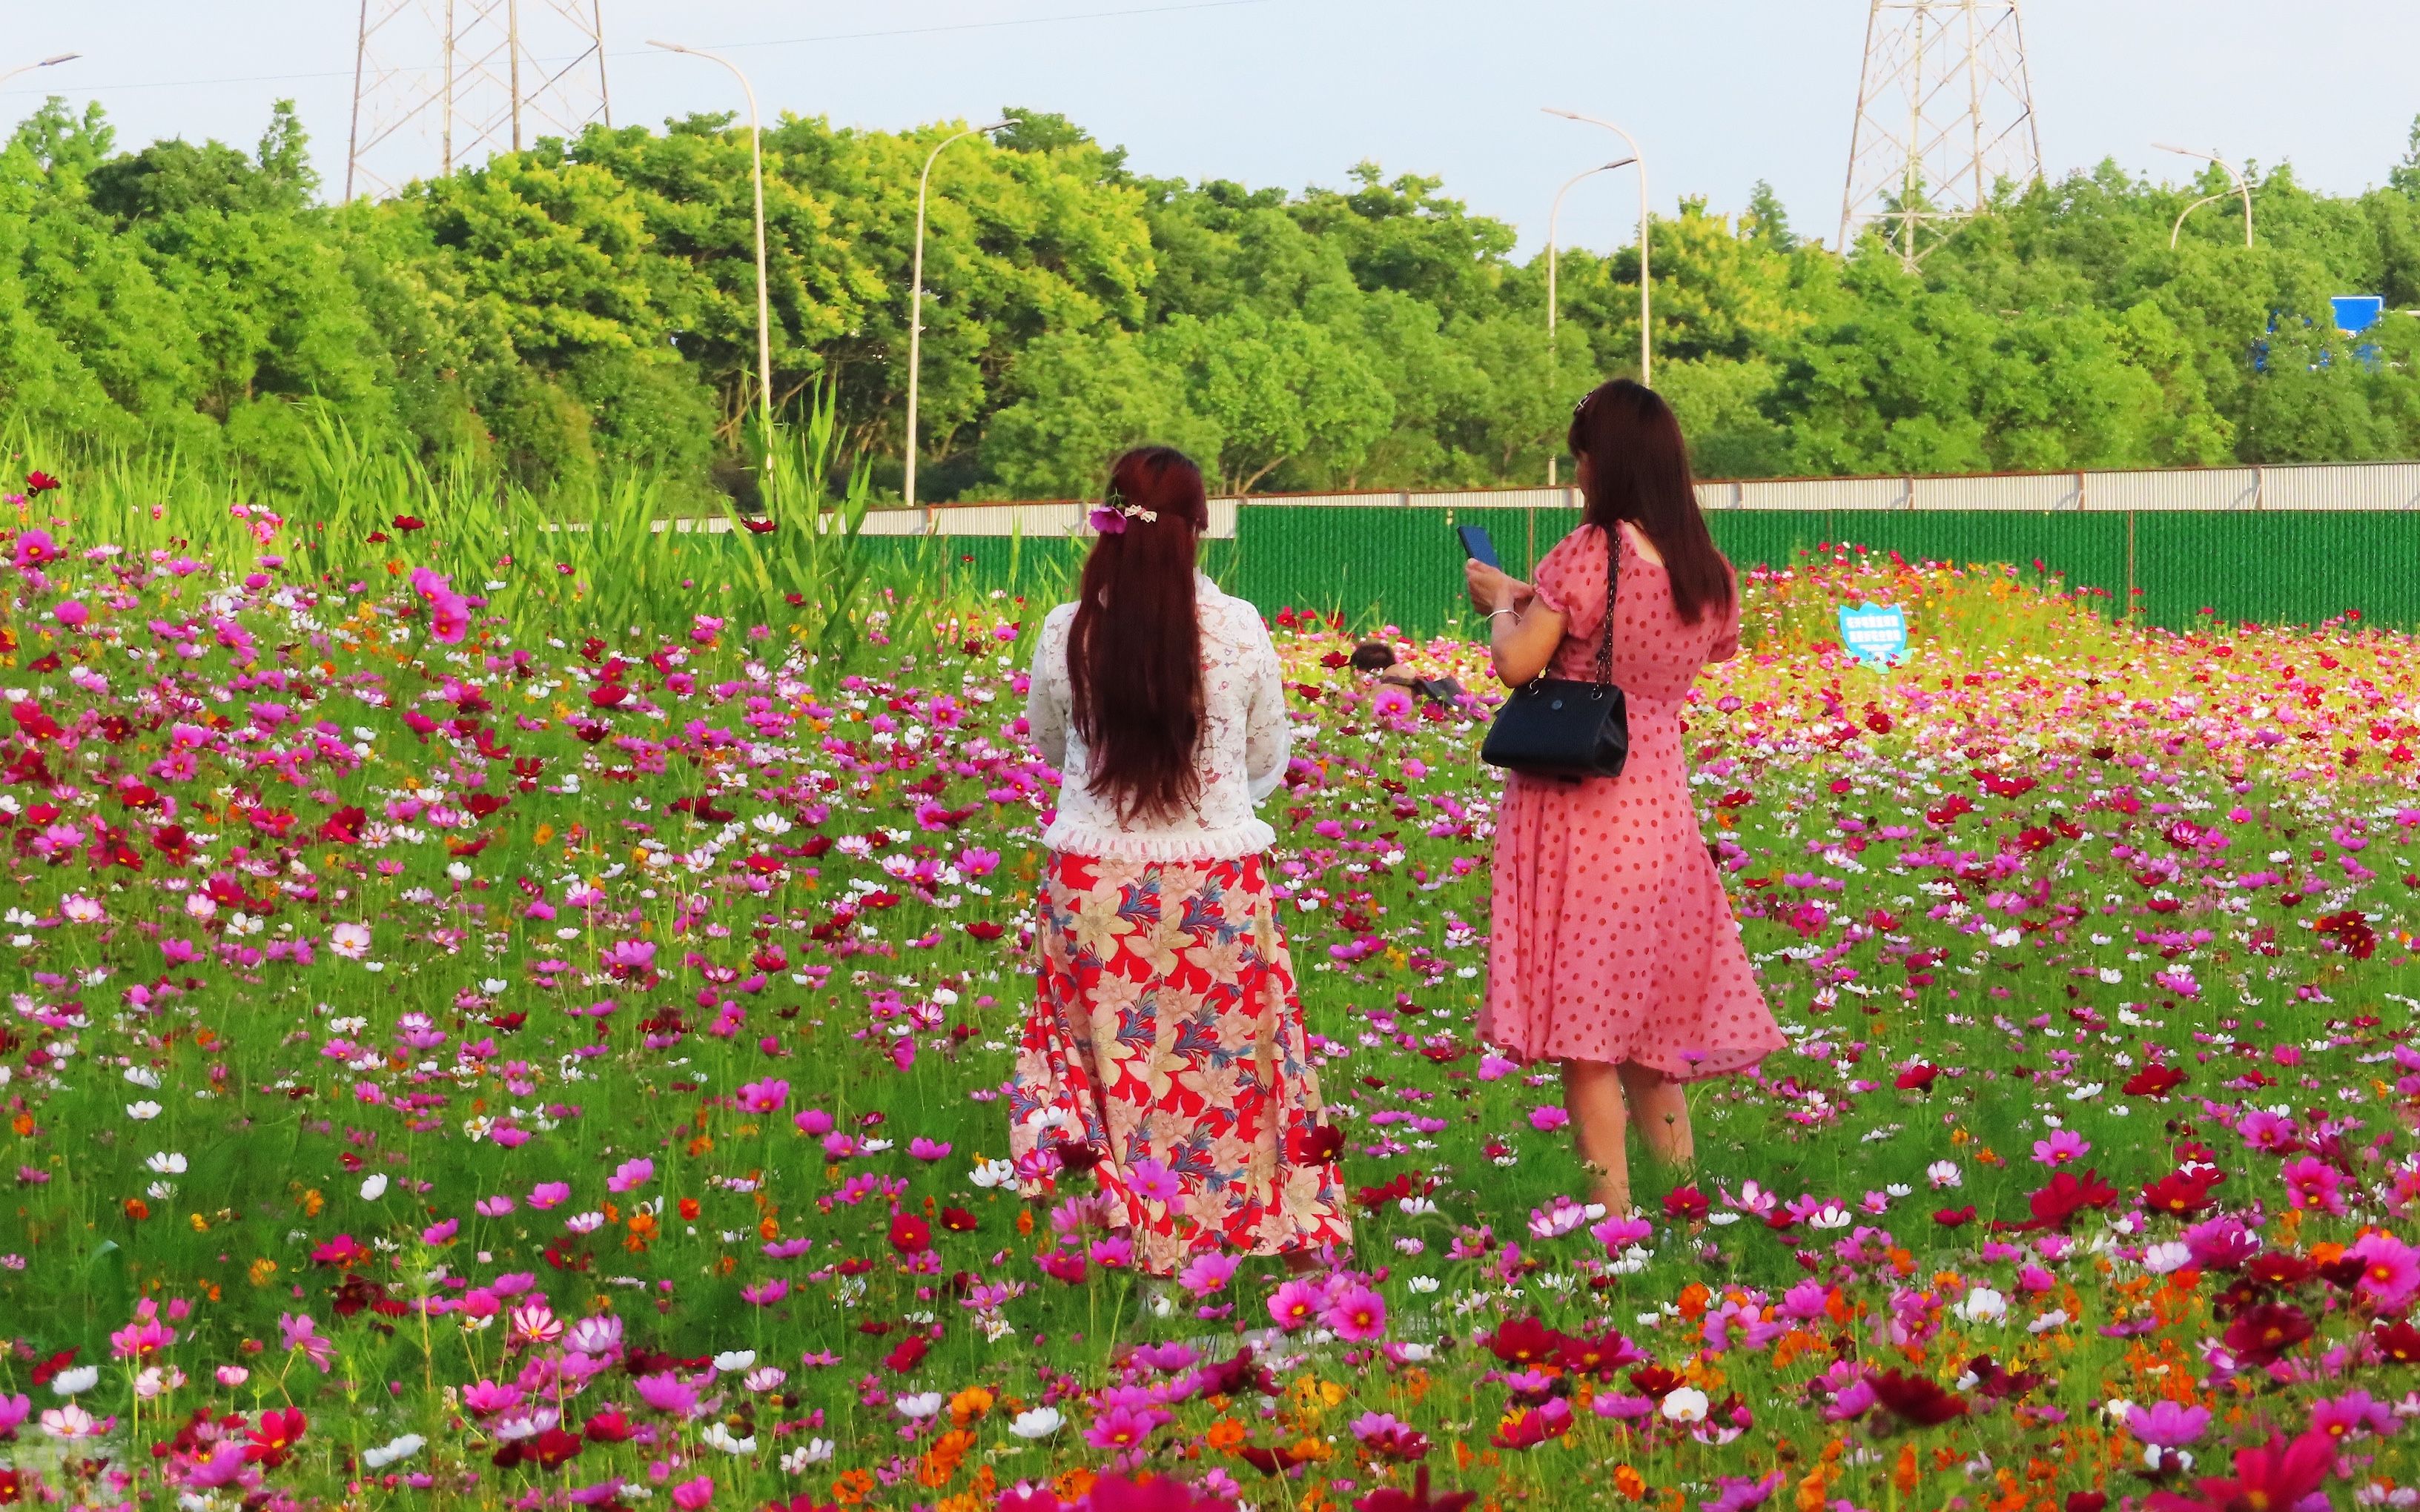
[437, 84]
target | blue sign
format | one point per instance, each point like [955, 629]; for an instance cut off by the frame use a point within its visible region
[1874, 634]
[2357, 313]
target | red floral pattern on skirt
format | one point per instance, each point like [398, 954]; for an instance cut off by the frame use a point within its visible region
[1166, 1035]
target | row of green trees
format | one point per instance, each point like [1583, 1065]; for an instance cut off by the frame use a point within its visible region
[586, 308]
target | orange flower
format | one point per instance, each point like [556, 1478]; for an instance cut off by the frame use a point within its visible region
[137, 1208]
[688, 1207]
[1628, 1482]
[969, 1405]
[1693, 1299]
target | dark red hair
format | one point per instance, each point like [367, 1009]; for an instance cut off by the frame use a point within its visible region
[1134, 653]
[1638, 471]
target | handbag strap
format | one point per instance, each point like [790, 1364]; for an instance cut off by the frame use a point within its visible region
[1612, 581]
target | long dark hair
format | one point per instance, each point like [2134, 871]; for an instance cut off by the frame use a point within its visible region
[1134, 654]
[1638, 471]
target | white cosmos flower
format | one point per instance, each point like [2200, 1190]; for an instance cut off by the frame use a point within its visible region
[1685, 1404]
[142, 1112]
[1423, 1284]
[1833, 1216]
[393, 1450]
[921, 1405]
[994, 1173]
[1944, 1173]
[143, 1076]
[1037, 1423]
[1982, 1305]
[70, 1421]
[720, 1437]
[813, 1452]
[82, 1379]
[2166, 1256]
[166, 1162]
[374, 1187]
[732, 1361]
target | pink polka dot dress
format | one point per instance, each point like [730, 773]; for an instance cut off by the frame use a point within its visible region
[1611, 938]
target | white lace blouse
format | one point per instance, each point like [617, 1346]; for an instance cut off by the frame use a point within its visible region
[1241, 758]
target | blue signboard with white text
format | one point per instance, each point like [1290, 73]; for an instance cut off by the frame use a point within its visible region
[1874, 634]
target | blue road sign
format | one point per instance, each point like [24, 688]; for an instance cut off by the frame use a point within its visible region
[2357, 313]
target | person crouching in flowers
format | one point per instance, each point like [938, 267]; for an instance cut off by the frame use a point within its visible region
[1164, 1051]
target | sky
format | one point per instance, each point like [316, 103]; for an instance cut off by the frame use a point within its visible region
[1720, 93]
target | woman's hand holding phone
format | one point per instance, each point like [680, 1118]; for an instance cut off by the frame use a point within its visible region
[1493, 589]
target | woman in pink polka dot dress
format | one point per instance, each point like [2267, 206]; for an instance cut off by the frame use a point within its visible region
[1612, 948]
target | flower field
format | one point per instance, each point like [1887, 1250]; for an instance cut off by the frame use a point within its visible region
[461, 1055]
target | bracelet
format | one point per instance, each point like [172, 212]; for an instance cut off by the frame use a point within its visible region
[1492, 613]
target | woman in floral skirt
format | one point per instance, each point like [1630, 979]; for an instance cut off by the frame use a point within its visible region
[1163, 1052]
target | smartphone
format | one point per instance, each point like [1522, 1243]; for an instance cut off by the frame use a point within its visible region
[1476, 544]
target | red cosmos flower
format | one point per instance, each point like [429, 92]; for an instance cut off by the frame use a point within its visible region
[1319, 1143]
[1917, 1078]
[2275, 1474]
[957, 1220]
[1953, 1217]
[1685, 1203]
[1534, 1425]
[756, 526]
[1524, 1341]
[408, 523]
[39, 482]
[2154, 1081]
[911, 1350]
[2182, 1193]
[2067, 1195]
[2260, 1335]
[274, 1436]
[609, 1427]
[2397, 1341]
[1388, 1499]
[1915, 1400]
[909, 1234]
[982, 929]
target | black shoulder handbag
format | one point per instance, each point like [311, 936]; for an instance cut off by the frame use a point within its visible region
[1555, 727]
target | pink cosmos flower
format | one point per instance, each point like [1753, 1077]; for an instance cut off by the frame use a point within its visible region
[693, 1495]
[1208, 1271]
[766, 1096]
[2167, 1424]
[2313, 1185]
[2390, 1271]
[1295, 1304]
[2063, 1146]
[631, 1174]
[1154, 1182]
[550, 1195]
[13, 1411]
[928, 1150]
[1359, 1315]
[1547, 1118]
[668, 1394]
[301, 1333]
[2353, 1415]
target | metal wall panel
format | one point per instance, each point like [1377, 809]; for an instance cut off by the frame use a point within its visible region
[1825, 493]
[2181, 488]
[2009, 490]
[2373, 485]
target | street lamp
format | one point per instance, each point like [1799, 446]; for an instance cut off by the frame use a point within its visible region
[2240, 188]
[763, 300]
[916, 296]
[46, 63]
[1646, 355]
[1554, 219]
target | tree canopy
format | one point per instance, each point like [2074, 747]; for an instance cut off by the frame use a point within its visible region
[586, 307]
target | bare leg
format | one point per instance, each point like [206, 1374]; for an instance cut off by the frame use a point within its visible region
[1660, 1106]
[1593, 1096]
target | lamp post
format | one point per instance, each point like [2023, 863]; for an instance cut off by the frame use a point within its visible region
[1645, 351]
[916, 296]
[1554, 220]
[46, 63]
[763, 300]
[2240, 188]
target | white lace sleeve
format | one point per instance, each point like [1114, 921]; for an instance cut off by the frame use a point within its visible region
[1267, 738]
[1045, 698]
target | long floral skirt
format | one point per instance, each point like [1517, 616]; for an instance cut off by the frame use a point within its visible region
[1165, 1044]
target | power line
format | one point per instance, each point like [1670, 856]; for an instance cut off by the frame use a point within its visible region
[779, 41]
